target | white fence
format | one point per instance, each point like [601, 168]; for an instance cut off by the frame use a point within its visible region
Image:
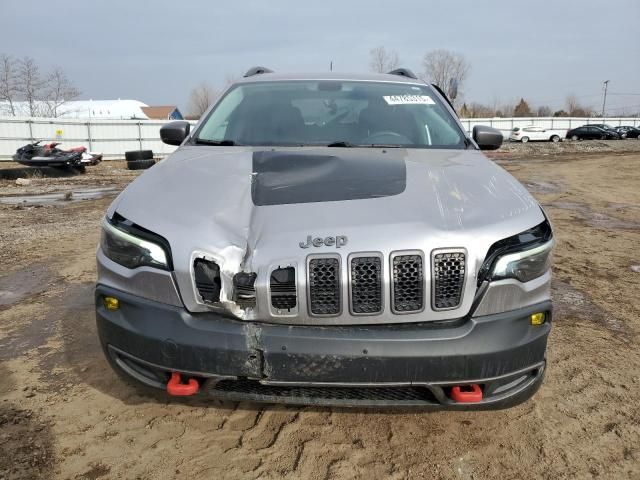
[557, 123]
[111, 137]
[114, 137]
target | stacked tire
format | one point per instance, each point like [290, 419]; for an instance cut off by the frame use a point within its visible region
[139, 159]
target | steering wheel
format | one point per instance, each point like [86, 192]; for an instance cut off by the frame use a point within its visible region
[384, 136]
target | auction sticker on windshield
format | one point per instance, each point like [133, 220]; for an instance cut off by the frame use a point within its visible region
[409, 100]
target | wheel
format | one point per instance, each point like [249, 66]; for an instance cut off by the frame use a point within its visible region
[575, 138]
[555, 138]
[140, 164]
[525, 139]
[138, 155]
[603, 137]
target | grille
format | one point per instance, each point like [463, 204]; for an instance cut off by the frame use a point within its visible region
[283, 288]
[307, 394]
[366, 285]
[207, 276]
[448, 279]
[244, 290]
[408, 283]
[324, 286]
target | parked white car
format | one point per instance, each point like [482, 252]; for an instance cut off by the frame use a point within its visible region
[532, 133]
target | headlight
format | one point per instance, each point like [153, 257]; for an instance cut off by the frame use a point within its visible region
[525, 265]
[131, 251]
[523, 256]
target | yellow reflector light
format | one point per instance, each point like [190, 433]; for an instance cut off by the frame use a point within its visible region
[111, 303]
[537, 318]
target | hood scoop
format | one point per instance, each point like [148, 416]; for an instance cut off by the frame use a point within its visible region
[282, 178]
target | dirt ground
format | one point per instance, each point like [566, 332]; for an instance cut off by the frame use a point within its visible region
[65, 415]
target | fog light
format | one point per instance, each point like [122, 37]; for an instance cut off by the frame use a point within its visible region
[111, 303]
[537, 318]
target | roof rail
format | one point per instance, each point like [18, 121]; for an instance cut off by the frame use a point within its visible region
[257, 71]
[403, 72]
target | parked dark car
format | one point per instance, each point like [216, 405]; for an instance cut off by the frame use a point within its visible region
[604, 126]
[591, 132]
[628, 132]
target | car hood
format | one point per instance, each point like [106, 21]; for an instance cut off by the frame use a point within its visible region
[250, 209]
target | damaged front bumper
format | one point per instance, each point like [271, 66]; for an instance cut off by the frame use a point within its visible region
[383, 365]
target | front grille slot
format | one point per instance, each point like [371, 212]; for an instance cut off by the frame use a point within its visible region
[366, 285]
[408, 283]
[324, 286]
[207, 277]
[448, 279]
[244, 290]
[282, 284]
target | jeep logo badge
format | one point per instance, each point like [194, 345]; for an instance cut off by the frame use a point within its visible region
[338, 241]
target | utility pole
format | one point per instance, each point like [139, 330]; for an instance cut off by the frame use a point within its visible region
[331, 66]
[604, 100]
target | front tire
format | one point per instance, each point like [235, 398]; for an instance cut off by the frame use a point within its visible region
[575, 138]
[525, 139]
[555, 138]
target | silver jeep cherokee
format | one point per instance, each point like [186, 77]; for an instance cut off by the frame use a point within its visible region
[328, 239]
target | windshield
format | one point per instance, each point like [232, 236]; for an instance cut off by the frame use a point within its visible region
[329, 112]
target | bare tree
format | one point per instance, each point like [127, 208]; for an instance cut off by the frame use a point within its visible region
[8, 87]
[200, 98]
[30, 84]
[571, 103]
[59, 90]
[575, 109]
[446, 69]
[383, 61]
[544, 111]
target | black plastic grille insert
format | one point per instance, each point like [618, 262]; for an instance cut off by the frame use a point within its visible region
[366, 285]
[324, 286]
[448, 279]
[408, 283]
[258, 391]
[283, 288]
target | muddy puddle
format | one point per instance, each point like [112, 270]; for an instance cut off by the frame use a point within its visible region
[595, 219]
[61, 198]
[536, 186]
[19, 285]
[571, 302]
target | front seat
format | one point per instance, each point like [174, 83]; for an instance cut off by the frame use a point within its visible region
[270, 123]
[378, 117]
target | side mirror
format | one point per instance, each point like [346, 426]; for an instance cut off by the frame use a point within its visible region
[174, 133]
[487, 138]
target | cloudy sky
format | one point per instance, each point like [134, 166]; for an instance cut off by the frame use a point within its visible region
[156, 51]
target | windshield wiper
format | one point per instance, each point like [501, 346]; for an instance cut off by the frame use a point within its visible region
[341, 143]
[383, 145]
[221, 143]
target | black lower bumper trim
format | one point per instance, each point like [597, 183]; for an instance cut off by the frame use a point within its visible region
[356, 365]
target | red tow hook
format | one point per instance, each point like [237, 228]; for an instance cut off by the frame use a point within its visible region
[176, 388]
[466, 393]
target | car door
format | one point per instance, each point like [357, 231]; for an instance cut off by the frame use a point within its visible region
[581, 133]
[592, 133]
